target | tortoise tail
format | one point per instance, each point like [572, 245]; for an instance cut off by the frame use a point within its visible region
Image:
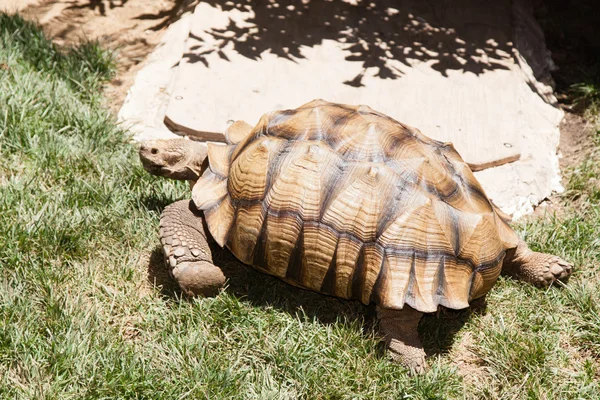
[237, 132]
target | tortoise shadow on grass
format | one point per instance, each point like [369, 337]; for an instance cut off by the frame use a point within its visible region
[156, 203]
[437, 330]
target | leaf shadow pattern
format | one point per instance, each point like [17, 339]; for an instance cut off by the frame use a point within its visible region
[99, 5]
[169, 15]
[462, 35]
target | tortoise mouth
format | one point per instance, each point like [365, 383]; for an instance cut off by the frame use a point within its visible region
[152, 168]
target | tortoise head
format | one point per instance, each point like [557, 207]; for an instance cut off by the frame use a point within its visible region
[180, 158]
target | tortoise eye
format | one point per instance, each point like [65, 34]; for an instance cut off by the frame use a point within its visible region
[154, 150]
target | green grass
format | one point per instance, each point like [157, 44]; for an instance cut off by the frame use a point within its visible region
[586, 96]
[79, 318]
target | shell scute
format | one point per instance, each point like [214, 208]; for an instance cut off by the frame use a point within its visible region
[320, 242]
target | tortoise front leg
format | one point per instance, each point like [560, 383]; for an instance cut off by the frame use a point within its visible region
[187, 253]
[399, 328]
[539, 269]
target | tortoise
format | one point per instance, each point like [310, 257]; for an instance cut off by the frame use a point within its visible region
[345, 201]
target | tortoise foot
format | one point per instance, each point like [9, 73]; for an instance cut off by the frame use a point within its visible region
[199, 278]
[539, 269]
[411, 355]
[186, 250]
[545, 272]
[399, 328]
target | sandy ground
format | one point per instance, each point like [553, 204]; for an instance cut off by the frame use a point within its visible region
[130, 27]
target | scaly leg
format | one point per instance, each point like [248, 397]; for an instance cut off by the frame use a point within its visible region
[399, 328]
[539, 269]
[185, 246]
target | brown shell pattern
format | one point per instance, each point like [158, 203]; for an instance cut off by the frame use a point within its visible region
[346, 201]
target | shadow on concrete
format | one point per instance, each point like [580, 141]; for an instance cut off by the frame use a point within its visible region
[373, 32]
[458, 35]
[99, 5]
[168, 16]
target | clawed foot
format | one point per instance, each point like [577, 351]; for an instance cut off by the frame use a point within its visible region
[413, 357]
[552, 270]
[186, 250]
[539, 269]
[195, 277]
[399, 328]
[199, 278]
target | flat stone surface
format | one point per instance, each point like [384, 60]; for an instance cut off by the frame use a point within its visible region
[463, 72]
[13, 6]
[143, 110]
[472, 100]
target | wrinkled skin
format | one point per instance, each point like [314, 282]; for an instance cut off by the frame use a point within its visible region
[180, 158]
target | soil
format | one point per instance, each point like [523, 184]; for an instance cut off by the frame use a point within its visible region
[132, 28]
[572, 37]
[575, 139]
[574, 43]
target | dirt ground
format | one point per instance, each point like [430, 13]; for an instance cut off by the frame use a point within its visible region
[571, 35]
[130, 27]
[133, 28]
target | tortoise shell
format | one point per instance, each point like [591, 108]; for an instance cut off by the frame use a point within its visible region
[346, 201]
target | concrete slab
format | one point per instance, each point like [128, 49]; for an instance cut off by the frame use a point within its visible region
[472, 100]
[467, 73]
[14, 6]
[143, 110]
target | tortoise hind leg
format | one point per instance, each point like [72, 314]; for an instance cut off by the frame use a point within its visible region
[539, 269]
[399, 328]
[186, 250]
